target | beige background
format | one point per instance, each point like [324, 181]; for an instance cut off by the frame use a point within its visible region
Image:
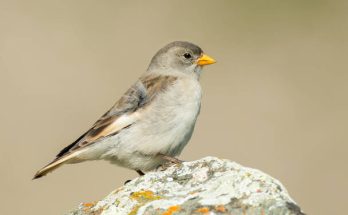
[276, 100]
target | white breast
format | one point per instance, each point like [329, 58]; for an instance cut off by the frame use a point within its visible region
[168, 123]
[165, 126]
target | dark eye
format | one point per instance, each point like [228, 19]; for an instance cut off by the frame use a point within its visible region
[187, 55]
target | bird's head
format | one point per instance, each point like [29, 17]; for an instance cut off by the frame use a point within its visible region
[180, 56]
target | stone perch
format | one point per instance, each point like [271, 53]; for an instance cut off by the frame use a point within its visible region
[207, 186]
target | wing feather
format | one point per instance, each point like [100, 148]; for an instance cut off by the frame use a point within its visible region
[122, 115]
[125, 111]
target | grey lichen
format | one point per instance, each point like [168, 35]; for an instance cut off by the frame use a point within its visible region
[206, 186]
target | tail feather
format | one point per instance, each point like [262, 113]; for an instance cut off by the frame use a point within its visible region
[54, 165]
[47, 169]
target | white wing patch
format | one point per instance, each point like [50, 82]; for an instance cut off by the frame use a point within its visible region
[117, 125]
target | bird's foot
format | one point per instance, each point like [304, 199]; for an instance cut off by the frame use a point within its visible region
[173, 160]
[126, 182]
[170, 162]
[164, 166]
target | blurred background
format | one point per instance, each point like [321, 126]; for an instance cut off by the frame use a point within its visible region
[277, 100]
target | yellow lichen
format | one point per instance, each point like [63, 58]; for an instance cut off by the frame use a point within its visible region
[203, 210]
[88, 208]
[171, 210]
[88, 204]
[135, 210]
[142, 197]
[220, 208]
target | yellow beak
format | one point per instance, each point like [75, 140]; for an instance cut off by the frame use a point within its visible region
[205, 60]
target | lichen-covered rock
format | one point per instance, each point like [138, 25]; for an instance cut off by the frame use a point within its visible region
[206, 186]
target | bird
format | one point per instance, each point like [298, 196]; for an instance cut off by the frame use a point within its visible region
[152, 122]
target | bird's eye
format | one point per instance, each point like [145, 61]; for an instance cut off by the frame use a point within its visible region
[187, 55]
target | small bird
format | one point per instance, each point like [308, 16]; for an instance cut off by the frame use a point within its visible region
[152, 122]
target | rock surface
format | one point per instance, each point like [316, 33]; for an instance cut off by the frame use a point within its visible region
[206, 186]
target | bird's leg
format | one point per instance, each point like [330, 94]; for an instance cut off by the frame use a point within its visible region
[140, 174]
[170, 161]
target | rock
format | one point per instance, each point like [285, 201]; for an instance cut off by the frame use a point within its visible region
[206, 186]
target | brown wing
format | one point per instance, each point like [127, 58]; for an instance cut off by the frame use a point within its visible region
[138, 96]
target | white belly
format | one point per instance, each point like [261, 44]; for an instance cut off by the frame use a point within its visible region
[166, 127]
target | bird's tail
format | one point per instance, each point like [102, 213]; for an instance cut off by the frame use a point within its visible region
[52, 166]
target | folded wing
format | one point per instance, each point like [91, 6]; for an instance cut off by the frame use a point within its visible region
[122, 115]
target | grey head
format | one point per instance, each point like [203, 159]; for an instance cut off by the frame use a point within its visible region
[179, 56]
